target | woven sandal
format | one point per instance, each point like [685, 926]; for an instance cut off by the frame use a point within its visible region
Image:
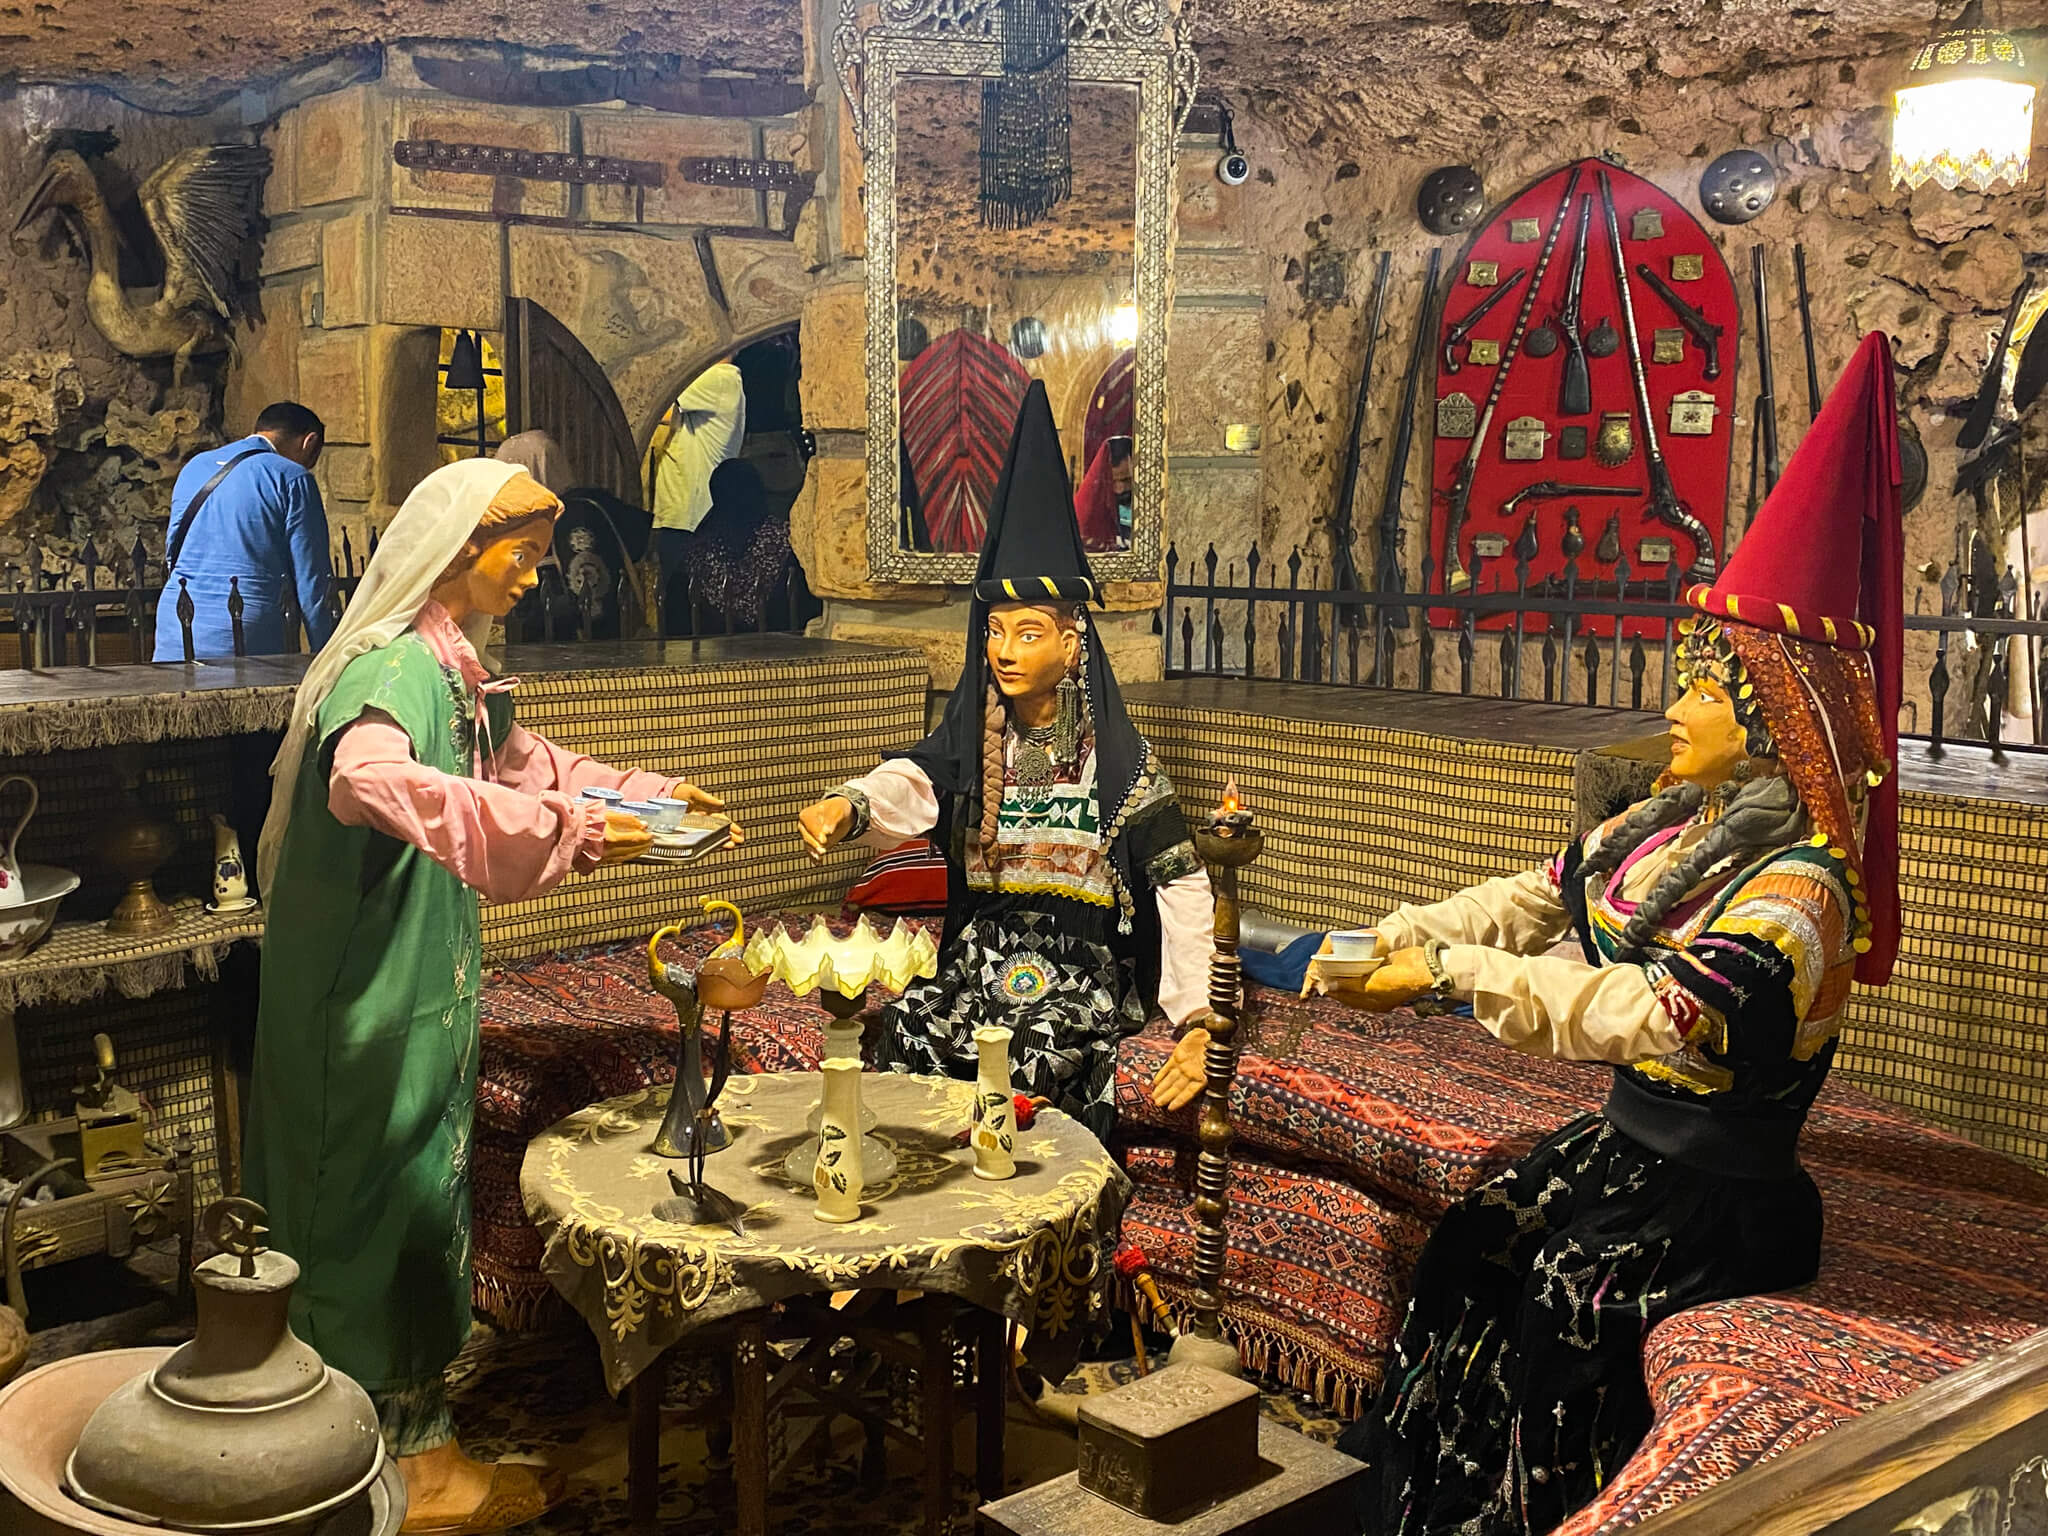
[518, 1493]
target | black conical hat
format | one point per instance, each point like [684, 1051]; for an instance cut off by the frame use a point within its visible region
[1033, 549]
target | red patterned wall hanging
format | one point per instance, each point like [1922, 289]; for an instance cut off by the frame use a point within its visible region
[960, 398]
[1548, 426]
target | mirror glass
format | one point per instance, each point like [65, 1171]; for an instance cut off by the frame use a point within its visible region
[981, 311]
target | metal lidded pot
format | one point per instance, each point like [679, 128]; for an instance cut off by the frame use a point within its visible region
[244, 1428]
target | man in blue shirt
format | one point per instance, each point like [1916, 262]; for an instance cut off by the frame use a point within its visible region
[262, 527]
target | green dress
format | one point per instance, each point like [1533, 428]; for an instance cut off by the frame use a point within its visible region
[366, 1049]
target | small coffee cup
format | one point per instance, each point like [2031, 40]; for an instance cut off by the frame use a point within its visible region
[1354, 944]
[670, 813]
[648, 812]
[614, 798]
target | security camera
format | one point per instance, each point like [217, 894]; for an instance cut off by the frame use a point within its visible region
[1233, 170]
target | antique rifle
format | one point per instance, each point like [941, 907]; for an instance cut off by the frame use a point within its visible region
[1705, 334]
[1805, 332]
[1664, 504]
[1343, 569]
[1455, 337]
[1552, 490]
[1575, 394]
[1993, 378]
[1388, 575]
[1766, 389]
[1455, 578]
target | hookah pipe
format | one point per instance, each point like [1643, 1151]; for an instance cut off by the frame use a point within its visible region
[1134, 1267]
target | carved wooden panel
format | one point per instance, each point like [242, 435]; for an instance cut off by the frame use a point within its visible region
[554, 385]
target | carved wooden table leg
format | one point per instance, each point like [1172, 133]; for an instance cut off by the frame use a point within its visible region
[991, 1399]
[750, 1421]
[935, 1384]
[1225, 849]
[643, 1444]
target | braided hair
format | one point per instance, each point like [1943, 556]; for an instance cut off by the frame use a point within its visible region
[1762, 815]
[993, 714]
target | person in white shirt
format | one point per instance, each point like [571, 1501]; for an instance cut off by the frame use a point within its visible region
[706, 426]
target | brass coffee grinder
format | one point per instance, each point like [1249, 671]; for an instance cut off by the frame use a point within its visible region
[111, 1120]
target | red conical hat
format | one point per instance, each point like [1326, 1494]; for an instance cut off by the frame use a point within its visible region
[1822, 568]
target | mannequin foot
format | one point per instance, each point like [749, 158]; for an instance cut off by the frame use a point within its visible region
[450, 1493]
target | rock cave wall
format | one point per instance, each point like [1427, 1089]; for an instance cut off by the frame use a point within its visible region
[1934, 269]
[90, 440]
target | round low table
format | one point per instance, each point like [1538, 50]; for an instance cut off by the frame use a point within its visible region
[1033, 1250]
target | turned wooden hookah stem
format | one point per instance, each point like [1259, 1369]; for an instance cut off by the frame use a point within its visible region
[1212, 1169]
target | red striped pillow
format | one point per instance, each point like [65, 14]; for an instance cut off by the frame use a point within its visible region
[907, 881]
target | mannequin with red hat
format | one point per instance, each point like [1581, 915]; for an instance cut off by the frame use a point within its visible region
[1721, 924]
[1075, 899]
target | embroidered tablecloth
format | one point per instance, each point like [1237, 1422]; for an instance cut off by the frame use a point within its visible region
[1033, 1248]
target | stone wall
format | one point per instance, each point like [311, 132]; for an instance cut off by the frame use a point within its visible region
[90, 439]
[368, 260]
[1934, 269]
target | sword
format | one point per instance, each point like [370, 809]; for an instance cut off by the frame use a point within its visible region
[1664, 504]
[1456, 579]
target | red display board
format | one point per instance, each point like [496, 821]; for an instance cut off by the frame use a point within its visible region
[1530, 416]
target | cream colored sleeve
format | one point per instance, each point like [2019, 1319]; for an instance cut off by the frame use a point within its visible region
[1547, 1005]
[1521, 914]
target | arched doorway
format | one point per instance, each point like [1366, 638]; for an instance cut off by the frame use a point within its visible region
[723, 466]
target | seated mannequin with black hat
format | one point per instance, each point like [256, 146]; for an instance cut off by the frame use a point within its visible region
[1075, 899]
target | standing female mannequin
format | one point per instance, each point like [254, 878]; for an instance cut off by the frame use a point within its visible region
[1721, 924]
[403, 791]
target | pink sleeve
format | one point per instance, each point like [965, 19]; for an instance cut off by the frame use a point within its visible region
[532, 763]
[509, 844]
[901, 804]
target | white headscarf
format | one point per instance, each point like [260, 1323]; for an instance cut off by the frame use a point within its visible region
[422, 541]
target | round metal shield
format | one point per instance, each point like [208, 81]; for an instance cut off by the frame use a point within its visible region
[1027, 337]
[1738, 186]
[1452, 200]
[1540, 342]
[1912, 468]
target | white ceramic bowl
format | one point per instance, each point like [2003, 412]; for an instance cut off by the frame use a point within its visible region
[22, 927]
[1353, 944]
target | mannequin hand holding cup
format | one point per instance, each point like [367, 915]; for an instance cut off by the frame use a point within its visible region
[1401, 976]
[626, 838]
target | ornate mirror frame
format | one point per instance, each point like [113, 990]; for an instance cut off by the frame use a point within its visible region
[1138, 43]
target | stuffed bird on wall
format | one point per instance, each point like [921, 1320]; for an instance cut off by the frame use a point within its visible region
[204, 207]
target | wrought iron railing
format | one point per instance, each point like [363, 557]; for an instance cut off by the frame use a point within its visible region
[1605, 640]
[68, 615]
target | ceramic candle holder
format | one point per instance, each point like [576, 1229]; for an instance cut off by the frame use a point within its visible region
[837, 1175]
[841, 971]
[993, 1132]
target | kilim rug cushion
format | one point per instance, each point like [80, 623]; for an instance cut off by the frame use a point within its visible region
[1317, 1274]
[1354, 1131]
[1415, 1110]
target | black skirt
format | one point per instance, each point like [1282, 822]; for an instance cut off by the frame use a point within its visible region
[1515, 1390]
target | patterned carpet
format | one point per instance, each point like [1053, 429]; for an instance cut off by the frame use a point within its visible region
[514, 1393]
[517, 1394]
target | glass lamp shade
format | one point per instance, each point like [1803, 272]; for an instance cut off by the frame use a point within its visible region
[1965, 116]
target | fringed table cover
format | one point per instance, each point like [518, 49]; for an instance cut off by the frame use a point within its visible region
[1032, 1248]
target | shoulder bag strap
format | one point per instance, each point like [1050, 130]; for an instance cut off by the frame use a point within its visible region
[192, 512]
